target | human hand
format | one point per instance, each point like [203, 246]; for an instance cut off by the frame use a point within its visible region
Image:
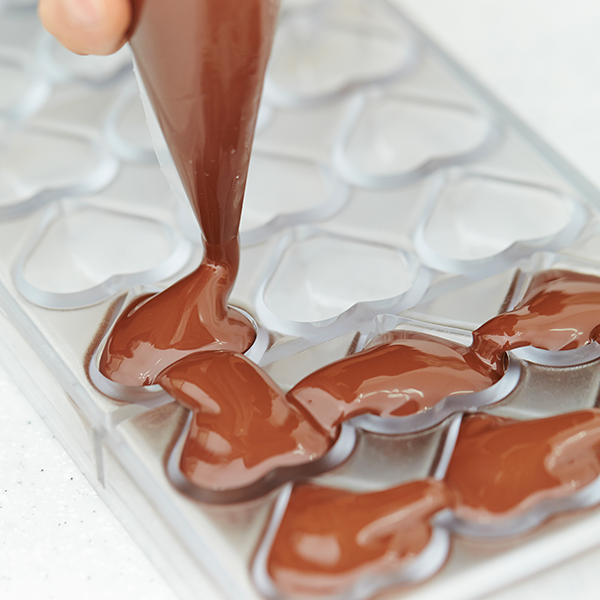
[87, 26]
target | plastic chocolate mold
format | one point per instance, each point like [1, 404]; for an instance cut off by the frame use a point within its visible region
[350, 234]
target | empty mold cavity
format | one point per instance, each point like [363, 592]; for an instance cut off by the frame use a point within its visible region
[82, 254]
[476, 217]
[322, 276]
[283, 191]
[40, 165]
[325, 52]
[391, 140]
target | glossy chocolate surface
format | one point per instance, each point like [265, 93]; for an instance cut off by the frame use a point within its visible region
[329, 538]
[405, 373]
[560, 311]
[501, 466]
[203, 66]
[190, 316]
[243, 427]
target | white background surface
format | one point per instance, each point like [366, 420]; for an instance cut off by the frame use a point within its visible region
[58, 540]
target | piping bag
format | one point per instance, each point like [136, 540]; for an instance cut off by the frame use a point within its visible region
[201, 64]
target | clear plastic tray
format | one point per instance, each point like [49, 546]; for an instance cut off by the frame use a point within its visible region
[387, 190]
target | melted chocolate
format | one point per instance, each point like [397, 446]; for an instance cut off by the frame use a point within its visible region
[560, 311]
[502, 466]
[188, 317]
[203, 66]
[406, 373]
[243, 427]
[329, 538]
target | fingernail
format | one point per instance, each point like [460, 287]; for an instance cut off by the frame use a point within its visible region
[85, 12]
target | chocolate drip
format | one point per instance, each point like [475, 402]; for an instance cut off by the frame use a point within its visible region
[330, 538]
[500, 466]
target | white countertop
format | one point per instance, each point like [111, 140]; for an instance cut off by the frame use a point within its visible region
[58, 540]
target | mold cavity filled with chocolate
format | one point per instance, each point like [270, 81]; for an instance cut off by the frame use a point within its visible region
[331, 539]
[560, 311]
[402, 374]
[203, 66]
[242, 428]
[502, 467]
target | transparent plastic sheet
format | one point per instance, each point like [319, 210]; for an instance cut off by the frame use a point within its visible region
[386, 192]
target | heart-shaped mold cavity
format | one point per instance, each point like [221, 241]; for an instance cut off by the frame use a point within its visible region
[483, 222]
[243, 437]
[41, 165]
[125, 128]
[332, 543]
[284, 191]
[390, 139]
[405, 381]
[322, 53]
[323, 280]
[556, 321]
[509, 476]
[82, 254]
